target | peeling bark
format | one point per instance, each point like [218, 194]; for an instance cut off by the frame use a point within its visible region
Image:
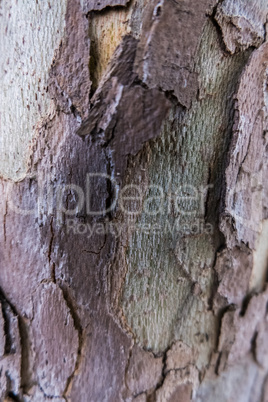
[93, 5]
[242, 24]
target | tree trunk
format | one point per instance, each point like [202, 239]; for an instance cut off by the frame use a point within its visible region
[134, 200]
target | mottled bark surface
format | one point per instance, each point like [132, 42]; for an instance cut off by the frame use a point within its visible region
[135, 303]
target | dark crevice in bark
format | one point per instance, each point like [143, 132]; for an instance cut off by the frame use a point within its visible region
[223, 311]
[81, 337]
[4, 222]
[253, 346]
[75, 112]
[26, 375]
[245, 303]
[218, 29]
[100, 249]
[93, 65]
[212, 215]
[215, 284]
[50, 248]
[53, 272]
[48, 396]
[14, 397]
[108, 8]
[110, 191]
[266, 310]
[218, 363]
[151, 397]
[209, 183]
[10, 348]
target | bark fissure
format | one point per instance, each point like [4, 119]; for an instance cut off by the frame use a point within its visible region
[81, 341]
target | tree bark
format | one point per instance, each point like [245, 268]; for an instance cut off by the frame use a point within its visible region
[134, 200]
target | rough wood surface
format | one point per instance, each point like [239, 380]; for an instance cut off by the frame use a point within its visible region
[25, 66]
[163, 94]
[242, 23]
[94, 5]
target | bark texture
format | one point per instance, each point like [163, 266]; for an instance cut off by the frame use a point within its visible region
[166, 97]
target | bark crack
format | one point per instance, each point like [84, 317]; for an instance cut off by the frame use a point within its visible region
[4, 221]
[101, 8]
[81, 340]
[52, 265]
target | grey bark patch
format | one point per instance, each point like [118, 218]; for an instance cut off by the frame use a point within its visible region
[69, 82]
[29, 36]
[169, 40]
[242, 23]
[55, 339]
